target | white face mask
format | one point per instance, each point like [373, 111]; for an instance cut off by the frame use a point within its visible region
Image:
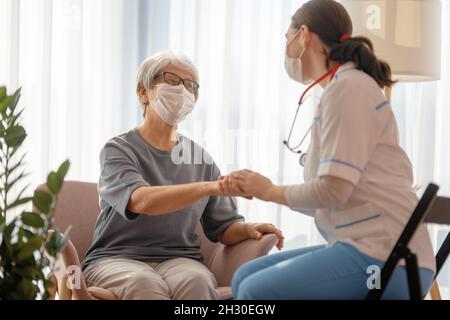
[293, 66]
[173, 103]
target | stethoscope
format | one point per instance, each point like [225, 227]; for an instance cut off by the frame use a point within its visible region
[298, 148]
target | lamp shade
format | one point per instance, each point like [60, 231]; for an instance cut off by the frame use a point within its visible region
[405, 33]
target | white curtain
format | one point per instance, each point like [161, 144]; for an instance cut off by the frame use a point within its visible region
[246, 100]
[77, 59]
[423, 114]
[67, 57]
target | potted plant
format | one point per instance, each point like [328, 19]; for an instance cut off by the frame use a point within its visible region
[27, 249]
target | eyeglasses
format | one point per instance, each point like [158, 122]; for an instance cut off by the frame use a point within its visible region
[174, 80]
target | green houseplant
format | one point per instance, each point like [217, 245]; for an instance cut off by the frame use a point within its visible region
[27, 249]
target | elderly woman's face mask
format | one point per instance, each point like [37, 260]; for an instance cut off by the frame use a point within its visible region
[172, 103]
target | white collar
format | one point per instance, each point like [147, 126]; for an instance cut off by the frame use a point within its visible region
[345, 67]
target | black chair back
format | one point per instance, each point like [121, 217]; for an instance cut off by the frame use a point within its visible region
[440, 214]
[401, 250]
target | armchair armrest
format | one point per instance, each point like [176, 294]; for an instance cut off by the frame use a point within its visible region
[227, 259]
[69, 259]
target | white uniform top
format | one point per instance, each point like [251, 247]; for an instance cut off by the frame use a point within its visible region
[355, 138]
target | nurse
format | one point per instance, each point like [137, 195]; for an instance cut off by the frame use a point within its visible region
[358, 179]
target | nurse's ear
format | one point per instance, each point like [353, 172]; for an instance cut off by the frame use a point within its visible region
[305, 36]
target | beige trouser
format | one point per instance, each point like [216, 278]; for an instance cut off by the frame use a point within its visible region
[178, 279]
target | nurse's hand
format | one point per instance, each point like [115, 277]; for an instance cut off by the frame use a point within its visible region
[252, 184]
[230, 188]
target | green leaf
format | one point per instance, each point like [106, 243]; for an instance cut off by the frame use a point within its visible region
[32, 219]
[26, 250]
[14, 151]
[25, 290]
[19, 202]
[10, 102]
[18, 164]
[63, 169]
[16, 98]
[56, 242]
[52, 244]
[8, 231]
[15, 136]
[28, 233]
[21, 236]
[54, 182]
[7, 235]
[13, 120]
[29, 269]
[5, 103]
[19, 195]
[17, 179]
[43, 201]
[65, 239]
[2, 93]
[35, 242]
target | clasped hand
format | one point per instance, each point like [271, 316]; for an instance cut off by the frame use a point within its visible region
[246, 184]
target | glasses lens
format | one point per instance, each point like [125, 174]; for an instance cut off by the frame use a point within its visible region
[191, 86]
[172, 79]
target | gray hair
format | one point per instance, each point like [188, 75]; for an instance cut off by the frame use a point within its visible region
[152, 66]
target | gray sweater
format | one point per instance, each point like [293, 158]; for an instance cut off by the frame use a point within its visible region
[129, 162]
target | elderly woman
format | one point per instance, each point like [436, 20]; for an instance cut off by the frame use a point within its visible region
[145, 245]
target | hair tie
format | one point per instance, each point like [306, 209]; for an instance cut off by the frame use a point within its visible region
[344, 38]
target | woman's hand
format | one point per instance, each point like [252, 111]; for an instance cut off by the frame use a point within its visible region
[257, 230]
[251, 184]
[229, 188]
[241, 231]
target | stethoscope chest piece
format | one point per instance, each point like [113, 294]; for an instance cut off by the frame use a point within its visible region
[303, 159]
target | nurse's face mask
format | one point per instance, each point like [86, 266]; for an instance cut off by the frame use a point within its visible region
[172, 103]
[293, 64]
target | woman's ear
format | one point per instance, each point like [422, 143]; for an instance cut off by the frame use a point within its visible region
[142, 94]
[305, 36]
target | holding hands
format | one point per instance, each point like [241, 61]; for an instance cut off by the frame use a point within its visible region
[249, 184]
[246, 184]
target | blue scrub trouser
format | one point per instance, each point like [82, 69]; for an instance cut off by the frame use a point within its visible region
[339, 272]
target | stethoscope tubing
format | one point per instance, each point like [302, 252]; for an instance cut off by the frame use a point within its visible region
[297, 149]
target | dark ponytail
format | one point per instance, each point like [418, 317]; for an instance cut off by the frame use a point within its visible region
[360, 51]
[329, 20]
